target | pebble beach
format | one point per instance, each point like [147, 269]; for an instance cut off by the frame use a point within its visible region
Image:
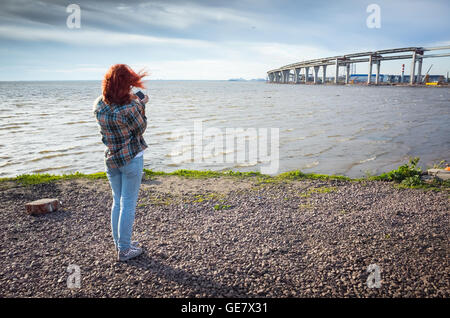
[229, 237]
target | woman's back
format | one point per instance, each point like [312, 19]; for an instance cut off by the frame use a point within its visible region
[122, 127]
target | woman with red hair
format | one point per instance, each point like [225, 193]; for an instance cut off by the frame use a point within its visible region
[121, 117]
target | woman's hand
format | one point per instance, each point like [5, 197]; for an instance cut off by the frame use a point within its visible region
[145, 100]
[141, 101]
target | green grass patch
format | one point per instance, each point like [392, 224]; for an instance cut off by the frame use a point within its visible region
[440, 165]
[435, 185]
[322, 190]
[222, 207]
[408, 176]
[298, 175]
[263, 180]
[30, 179]
[305, 206]
[201, 174]
[208, 197]
[308, 193]
[160, 200]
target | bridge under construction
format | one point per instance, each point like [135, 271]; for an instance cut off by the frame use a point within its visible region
[299, 72]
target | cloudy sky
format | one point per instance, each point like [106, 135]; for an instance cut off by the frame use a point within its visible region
[207, 39]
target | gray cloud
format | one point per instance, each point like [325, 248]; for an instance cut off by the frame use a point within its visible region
[322, 23]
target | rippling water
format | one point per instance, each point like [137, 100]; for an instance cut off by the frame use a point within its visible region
[350, 130]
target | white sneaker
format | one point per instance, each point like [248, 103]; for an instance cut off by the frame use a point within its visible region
[133, 244]
[130, 253]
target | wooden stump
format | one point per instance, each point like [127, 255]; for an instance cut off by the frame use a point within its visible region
[42, 206]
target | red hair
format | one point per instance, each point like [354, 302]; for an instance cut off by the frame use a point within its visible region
[117, 83]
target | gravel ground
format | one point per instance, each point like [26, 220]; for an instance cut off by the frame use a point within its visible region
[309, 238]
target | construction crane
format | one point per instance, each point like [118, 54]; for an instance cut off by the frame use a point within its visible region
[427, 76]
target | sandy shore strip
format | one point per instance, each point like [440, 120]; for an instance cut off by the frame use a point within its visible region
[229, 237]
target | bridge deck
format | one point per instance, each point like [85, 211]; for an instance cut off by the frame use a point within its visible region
[283, 74]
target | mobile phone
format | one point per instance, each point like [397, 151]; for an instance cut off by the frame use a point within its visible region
[140, 95]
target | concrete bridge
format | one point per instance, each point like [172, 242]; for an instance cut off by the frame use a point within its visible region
[292, 73]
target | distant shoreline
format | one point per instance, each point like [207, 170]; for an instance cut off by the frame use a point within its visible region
[146, 80]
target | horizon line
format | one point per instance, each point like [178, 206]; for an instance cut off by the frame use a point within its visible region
[93, 80]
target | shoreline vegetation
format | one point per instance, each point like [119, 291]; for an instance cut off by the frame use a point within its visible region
[405, 176]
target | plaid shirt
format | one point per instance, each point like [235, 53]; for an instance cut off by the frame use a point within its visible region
[122, 128]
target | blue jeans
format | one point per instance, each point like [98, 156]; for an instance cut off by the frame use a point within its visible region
[125, 182]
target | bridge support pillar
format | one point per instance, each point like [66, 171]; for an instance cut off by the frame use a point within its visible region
[316, 74]
[297, 75]
[283, 77]
[306, 74]
[324, 74]
[377, 76]
[347, 73]
[369, 73]
[413, 68]
[336, 75]
[419, 71]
